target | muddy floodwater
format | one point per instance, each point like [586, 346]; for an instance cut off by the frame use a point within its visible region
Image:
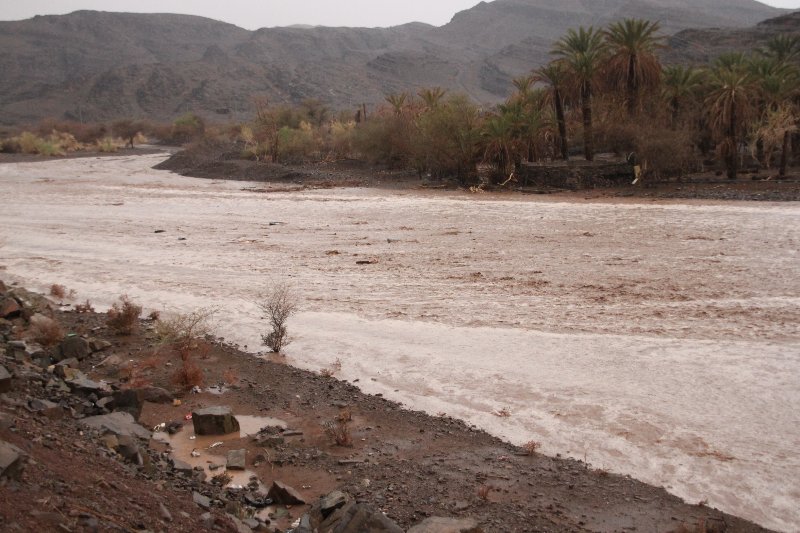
[656, 339]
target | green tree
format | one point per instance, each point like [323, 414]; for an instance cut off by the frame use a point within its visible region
[681, 85]
[729, 103]
[583, 51]
[633, 65]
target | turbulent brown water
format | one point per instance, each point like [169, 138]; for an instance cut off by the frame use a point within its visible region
[659, 340]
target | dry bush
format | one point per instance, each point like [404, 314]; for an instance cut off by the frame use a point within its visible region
[188, 375]
[123, 317]
[85, 307]
[154, 316]
[45, 331]
[531, 446]
[339, 432]
[184, 332]
[345, 415]
[278, 306]
[107, 145]
[230, 376]
[58, 291]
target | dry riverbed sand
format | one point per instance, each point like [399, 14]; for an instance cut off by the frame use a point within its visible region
[656, 339]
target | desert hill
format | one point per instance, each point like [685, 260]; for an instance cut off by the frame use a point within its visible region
[95, 65]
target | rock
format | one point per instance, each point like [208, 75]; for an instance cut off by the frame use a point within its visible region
[358, 517]
[252, 523]
[12, 460]
[73, 347]
[82, 383]
[117, 423]
[236, 460]
[129, 449]
[47, 408]
[436, 524]
[164, 512]
[6, 421]
[5, 379]
[284, 494]
[181, 466]
[110, 441]
[155, 395]
[9, 308]
[202, 501]
[98, 345]
[127, 401]
[214, 421]
[335, 500]
[105, 403]
[238, 525]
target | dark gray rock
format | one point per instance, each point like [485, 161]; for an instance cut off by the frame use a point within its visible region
[117, 423]
[98, 345]
[128, 448]
[5, 379]
[73, 347]
[83, 384]
[12, 460]
[127, 401]
[335, 500]
[358, 517]
[214, 421]
[236, 460]
[437, 524]
[284, 494]
[202, 501]
[181, 466]
[47, 408]
[155, 395]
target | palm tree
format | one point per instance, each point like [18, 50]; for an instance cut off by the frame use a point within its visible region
[583, 51]
[778, 84]
[784, 48]
[680, 84]
[633, 65]
[500, 137]
[731, 90]
[554, 74]
[432, 96]
[397, 101]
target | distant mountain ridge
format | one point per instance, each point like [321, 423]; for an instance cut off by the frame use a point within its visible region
[92, 65]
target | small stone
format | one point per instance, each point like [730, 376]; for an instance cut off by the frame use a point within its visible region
[47, 408]
[9, 308]
[284, 494]
[11, 460]
[236, 460]
[181, 466]
[117, 423]
[5, 379]
[202, 501]
[98, 345]
[214, 421]
[164, 512]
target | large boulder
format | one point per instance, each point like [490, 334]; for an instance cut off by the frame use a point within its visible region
[437, 524]
[118, 423]
[214, 421]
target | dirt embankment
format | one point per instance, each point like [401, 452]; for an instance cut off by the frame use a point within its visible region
[407, 464]
[222, 161]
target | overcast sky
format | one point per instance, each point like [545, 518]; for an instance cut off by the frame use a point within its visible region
[254, 14]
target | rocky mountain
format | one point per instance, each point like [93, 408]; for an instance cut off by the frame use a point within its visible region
[95, 66]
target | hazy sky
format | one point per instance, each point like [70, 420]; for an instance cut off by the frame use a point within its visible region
[253, 14]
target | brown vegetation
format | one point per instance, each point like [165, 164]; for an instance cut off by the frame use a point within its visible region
[45, 331]
[278, 306]
[123, 317]
[339, 432]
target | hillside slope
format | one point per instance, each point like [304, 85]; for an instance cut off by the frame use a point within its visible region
[96, 66]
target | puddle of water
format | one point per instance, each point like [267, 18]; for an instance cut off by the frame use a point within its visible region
[211, 450]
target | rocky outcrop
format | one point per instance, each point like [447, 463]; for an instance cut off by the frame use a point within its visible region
[214, 421]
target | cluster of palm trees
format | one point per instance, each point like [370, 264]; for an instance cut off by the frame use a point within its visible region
[738, 100]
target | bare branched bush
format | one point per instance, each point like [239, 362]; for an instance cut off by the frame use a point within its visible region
[184, 335]
[484, 491]
[123, 317]
[58, 291]
[531, 446]
[278, 306]
[45, 331]
[85, 307]
[339, 432]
